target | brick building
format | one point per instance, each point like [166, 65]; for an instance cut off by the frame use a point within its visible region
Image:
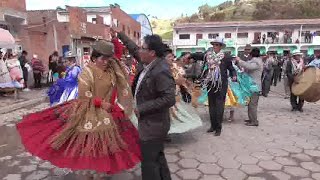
[72, 29]
[48, 32]
[13, 17]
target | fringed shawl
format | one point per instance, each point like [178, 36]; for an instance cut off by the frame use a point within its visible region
[212, 76]
[91, 130]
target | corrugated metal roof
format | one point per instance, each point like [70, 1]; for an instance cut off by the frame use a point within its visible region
[104, 9]
[135, 16]
[249, 23]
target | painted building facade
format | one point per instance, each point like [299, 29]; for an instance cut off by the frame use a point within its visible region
[280, 35]
[146, 28]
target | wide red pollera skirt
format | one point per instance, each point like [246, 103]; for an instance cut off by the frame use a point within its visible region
[38, 129]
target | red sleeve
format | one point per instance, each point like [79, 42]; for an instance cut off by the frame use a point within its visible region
[118, 48]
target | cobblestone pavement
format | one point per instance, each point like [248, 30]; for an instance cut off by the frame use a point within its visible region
[23, 96]
[286, 146]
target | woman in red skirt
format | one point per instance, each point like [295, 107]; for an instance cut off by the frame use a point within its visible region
[94, 133]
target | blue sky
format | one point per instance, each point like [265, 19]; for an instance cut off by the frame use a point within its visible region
[163, 9]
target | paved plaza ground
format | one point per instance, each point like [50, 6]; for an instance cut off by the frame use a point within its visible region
[286, 146]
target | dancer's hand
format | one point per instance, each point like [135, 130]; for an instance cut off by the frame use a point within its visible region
[234, 79]
[107, 106]
[113, 33]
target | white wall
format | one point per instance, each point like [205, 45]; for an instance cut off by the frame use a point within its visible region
[240, 41]
[107, 19]
[63, 17]
[90, 17]
[184, 42]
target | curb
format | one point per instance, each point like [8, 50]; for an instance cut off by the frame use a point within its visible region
[21, 105]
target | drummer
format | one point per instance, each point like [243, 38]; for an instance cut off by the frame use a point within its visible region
[316, 61]
[294, 68]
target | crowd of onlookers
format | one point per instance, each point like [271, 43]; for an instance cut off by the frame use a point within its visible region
[19, 72]
[274, 38]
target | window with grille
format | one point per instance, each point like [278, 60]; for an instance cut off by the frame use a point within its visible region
[227, 35]
[213, 35]
[199, 36]
[184, 36]
[242, 35]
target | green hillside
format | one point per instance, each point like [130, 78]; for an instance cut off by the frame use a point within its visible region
[163, 27]
[240, 10]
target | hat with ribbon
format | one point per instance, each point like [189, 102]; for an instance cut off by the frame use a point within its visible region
[218, 40]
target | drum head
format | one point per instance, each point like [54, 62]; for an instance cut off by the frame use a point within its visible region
[304, 81]
[308, 85]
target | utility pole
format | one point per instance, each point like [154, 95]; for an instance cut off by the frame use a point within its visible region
[55, 37]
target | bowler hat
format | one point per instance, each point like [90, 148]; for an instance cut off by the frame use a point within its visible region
[104, 47]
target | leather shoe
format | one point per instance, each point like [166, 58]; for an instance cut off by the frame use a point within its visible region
[252, 124]
[217, 133]
[210, 130]
[247, 121]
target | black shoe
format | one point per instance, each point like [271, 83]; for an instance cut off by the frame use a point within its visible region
[294, 109]
[252, 124]
[210, 130]
[217, 133]
[247, 121]
[301, 110]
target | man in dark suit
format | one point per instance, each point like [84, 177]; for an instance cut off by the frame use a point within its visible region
[154, 92]
[294, 68]
[246, 54]
[217, 94]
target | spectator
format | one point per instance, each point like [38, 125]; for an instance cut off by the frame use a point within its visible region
[38, 70]
[23, 62]
[53, 64]
[264, 39]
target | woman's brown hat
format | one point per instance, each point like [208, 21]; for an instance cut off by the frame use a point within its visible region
[104, 47]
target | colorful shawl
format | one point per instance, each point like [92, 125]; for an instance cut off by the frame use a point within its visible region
[212, 73]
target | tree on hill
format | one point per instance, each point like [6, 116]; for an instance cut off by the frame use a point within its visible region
[255, 10]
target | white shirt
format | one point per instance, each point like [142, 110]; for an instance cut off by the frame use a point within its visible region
[141, 76]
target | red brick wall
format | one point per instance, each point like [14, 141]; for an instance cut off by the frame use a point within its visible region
[43, 44]
[38, 37]
[77, 20]
[99, 19]
[19, 5]
[129, 23]
[41, 17]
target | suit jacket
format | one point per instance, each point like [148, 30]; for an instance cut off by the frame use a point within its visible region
[289, 72]
[155, 95]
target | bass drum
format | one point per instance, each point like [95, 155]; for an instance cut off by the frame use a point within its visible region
[307, 85]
